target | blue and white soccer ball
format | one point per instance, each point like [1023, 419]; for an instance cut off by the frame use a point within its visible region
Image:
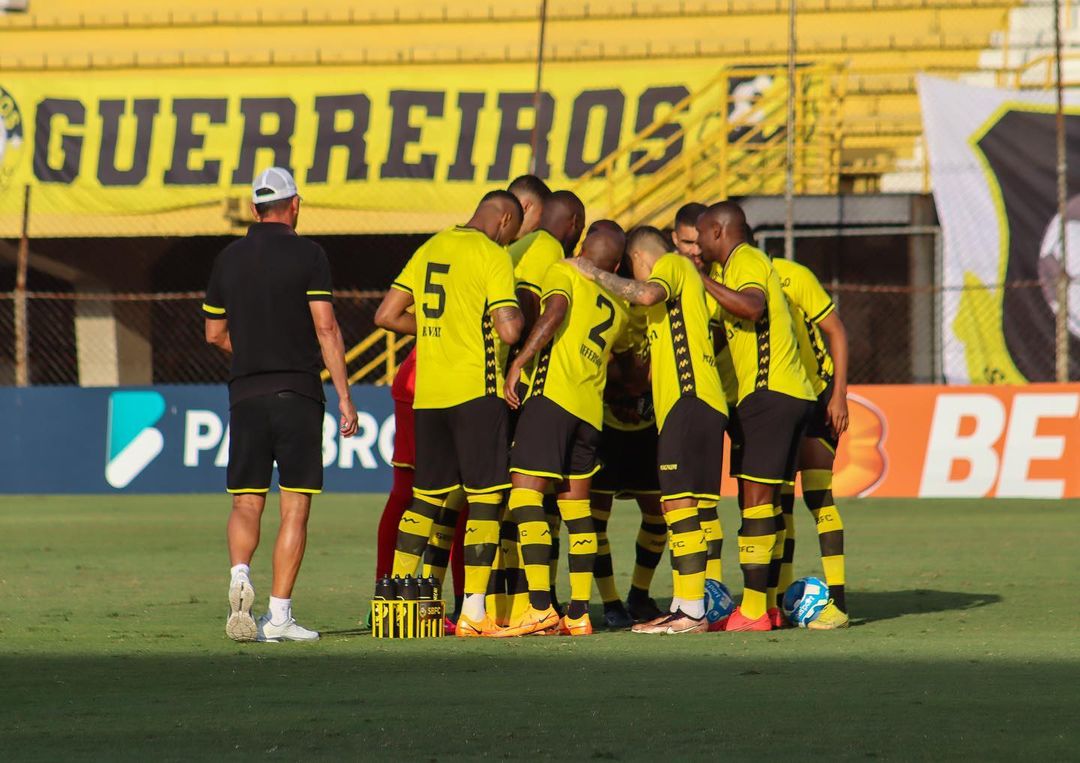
[804, 599]
[718, 601]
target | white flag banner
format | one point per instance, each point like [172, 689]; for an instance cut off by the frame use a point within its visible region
[993, 165]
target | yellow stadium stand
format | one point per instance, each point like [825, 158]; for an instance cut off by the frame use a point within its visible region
[876, 47]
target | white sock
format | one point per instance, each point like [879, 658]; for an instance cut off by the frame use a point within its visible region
[280, 610]
[676, 602]
[239, 570]
[693, 607]
[474, 607]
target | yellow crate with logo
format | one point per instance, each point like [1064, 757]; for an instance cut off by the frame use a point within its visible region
[407, 608]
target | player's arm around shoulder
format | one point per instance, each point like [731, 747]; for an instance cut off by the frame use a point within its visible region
[633, 291]
[744, 291]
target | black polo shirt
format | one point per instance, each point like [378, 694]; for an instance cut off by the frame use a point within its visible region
[262, 284]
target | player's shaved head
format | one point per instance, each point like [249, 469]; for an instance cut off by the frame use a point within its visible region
[604, 246]
[721, 228]
[563, 217]
[529, 185]
[531, 191]
[498, 215]
[648, 238]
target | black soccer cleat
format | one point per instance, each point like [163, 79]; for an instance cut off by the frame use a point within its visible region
[616, 617]
[643, 609]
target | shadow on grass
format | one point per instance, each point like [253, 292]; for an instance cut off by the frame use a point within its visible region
[874, 606]
[605, 700]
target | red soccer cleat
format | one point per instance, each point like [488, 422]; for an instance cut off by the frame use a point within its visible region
[449, 626]
[740, 622]
[776, 617]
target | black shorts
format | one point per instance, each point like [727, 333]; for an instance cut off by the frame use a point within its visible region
[286, 427]
[462, 446]
[627, 462]
[817, 427]
[552, 442]
[690, 451]
[765, 434]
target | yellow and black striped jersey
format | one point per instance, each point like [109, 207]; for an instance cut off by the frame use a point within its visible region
[457, 277]
[680, 342]
[765, 353]
[810, 304]
[571, 370]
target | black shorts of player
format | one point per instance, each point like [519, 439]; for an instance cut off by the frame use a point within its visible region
[765, 434]
[462, 446]
[817, 427]
[690, 451]
[627, 462]
[552, 442]
[283, 426]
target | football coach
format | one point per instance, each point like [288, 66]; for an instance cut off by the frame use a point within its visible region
[269, 305]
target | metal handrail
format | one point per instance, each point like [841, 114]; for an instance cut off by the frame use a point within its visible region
[387, 357]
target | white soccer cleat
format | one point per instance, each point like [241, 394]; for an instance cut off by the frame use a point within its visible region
[289, 630]
[241, 625]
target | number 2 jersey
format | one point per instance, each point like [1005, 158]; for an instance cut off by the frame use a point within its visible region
[680, 342]
[456, 278]
[571, 370]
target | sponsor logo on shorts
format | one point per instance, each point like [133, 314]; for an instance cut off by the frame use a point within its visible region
[132, 442]
[669, 467]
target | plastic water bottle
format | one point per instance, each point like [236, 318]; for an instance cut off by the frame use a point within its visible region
[410, 589]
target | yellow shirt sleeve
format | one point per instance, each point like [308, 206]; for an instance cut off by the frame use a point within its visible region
[668, 274]
[500, 282]
[536, 262]
[557, 281]
[808, 295]
[744, 270]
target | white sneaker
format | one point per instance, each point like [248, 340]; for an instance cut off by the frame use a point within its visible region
[241, 625]
[290, 630]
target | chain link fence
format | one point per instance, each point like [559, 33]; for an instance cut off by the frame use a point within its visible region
[114, 339]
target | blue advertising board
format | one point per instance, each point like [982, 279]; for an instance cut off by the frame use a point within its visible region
[164, 439]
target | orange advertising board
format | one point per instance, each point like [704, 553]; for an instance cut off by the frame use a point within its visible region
[973, 442]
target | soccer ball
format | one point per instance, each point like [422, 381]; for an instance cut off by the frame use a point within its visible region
[718, 601]
[804, 599]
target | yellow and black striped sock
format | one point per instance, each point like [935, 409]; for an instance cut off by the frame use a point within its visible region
[787, 567]
[414, 529]
[651, 541]
[604, 571]
[551, 511]
[534, 536]
[776, 562]
[817, 491]
[689, 557]
[714, 539]
[581, 545]
[517, 587]
[481, 541]
[437, 553]
[757, 536]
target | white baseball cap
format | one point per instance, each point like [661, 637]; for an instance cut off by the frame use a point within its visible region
[273, 184]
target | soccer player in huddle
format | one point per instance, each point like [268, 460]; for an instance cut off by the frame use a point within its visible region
[774, 397]
[461, 281]
[689, 405]
[558, 431]
[815, 318]
[627, 453]
[684, 232]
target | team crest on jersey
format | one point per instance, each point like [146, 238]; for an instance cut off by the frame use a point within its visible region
[11, 136]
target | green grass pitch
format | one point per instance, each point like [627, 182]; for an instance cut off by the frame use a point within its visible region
[112, 647]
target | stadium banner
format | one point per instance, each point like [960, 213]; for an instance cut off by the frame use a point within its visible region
[904, 441]
[384, 149]
[993, 165]
[165, 439]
